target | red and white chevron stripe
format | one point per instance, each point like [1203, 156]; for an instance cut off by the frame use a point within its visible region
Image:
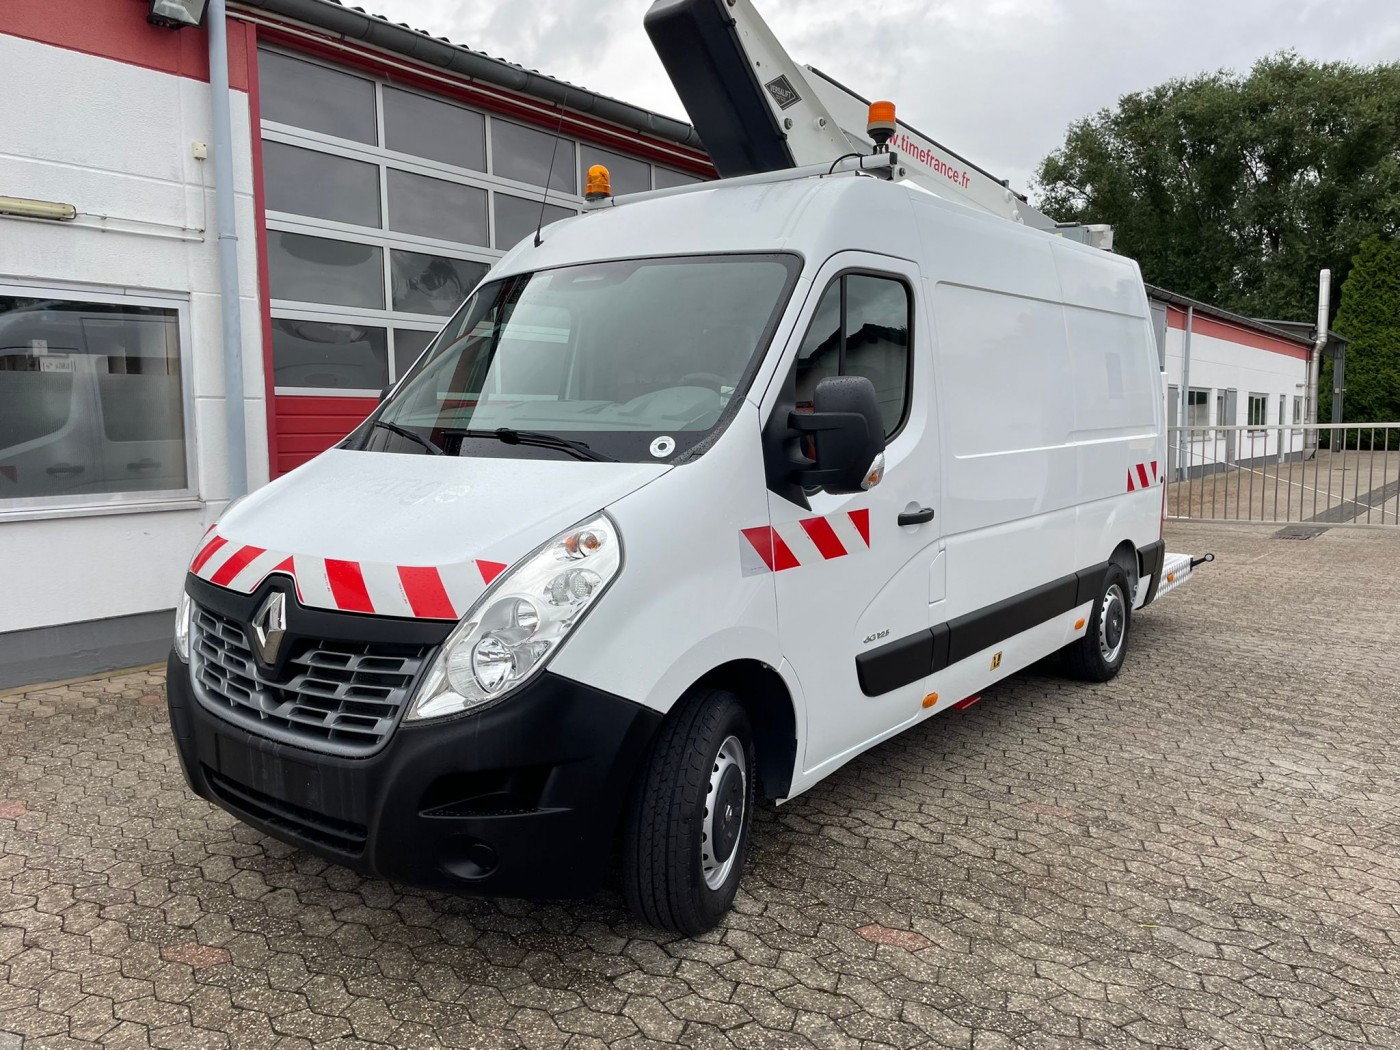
[775, 548]
[1137, 476]
[424, 592]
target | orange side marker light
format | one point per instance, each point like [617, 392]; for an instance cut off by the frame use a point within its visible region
[931, 699]
[1079, 624]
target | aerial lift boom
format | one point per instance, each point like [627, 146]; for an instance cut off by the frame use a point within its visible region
[757, 110]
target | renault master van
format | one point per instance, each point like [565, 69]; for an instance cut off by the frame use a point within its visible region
[690, 503]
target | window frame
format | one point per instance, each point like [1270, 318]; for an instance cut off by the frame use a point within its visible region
[1204, 405]
[1262, 399]
[20, 508]
[866, 271]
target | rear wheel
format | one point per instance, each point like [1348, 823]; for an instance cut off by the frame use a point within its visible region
[688, 827]
[1099, 655]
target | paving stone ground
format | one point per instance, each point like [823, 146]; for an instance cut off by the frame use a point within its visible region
[1202, 853]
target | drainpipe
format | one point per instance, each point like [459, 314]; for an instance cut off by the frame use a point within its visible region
[236, 436]
[1324, 304]
[1184, 447]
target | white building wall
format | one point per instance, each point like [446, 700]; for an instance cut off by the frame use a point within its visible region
[116, 140]
[1220, 365]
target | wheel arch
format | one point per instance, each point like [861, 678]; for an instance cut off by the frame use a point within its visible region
[772, 713]
[1125, 555]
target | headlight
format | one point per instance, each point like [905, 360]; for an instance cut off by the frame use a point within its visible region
[182, 627]
[521, 620]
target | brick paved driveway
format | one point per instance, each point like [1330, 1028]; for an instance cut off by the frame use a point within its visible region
[1200, 854]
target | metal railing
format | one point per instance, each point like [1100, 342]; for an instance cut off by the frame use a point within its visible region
[1327, 474]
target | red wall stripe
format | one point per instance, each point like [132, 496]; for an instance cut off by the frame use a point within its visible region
[1232, 333]
[260, 235]
[307, 426]
[117, 29]
[348, 586]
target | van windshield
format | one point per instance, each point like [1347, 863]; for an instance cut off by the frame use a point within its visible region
[636, 360]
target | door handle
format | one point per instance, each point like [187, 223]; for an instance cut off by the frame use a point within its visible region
[65, 469]
[144, 464]
[916, 517]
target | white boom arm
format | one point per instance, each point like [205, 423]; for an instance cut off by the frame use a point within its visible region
[758, 110]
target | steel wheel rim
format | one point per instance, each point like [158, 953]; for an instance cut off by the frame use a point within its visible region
[724, 817]
[1113, 624]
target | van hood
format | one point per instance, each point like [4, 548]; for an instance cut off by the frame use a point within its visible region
[405, 535]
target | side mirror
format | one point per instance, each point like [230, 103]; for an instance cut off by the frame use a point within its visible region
[848, 433]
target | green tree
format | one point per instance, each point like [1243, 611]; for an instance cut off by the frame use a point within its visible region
[1370, 317]
[1237, 190]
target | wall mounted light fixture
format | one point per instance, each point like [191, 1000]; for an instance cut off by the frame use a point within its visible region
[32, 209]
[176, 14]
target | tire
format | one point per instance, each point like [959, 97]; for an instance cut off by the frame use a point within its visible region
[681, 862]
[1099, 655]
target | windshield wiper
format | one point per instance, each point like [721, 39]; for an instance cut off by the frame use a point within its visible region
[539, 439]
[394, 428]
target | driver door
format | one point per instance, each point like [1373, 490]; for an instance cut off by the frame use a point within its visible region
[855, 574]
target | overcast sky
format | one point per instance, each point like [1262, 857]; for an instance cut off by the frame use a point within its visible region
[995, 80]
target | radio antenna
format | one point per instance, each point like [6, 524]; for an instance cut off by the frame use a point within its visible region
[544, 197]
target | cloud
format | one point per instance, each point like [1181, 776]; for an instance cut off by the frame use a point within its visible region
[995, 80]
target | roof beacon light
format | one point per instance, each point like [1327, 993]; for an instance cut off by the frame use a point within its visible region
[880, 126]
[599, 185]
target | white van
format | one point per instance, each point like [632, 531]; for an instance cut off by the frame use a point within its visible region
[691, 503]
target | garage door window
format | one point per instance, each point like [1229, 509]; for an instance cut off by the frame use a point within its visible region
[92, 401]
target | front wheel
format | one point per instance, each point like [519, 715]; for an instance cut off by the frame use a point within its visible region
[688, 826]
[1099, 655]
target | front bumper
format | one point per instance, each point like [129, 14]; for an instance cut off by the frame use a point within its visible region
[522, 799]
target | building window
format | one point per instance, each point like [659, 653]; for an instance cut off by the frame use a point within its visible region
[532, 156]
[666, 179]
[433, 129]
[320, 186]
[317, 270]
[1258, 409]
[1282, 409]
[1222, 412]
[385, 207]
[518, 217]
[1297, 409]
[316, 355]
[317, 98]
[92, 400]
[861, 328]
[1197, 408]
[431, 284]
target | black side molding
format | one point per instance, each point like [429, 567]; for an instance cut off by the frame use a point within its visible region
[920, 654]
[902, 661]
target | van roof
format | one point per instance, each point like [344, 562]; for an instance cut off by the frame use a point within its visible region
[811, 216]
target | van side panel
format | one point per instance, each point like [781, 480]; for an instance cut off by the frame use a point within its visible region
[1048, 391]
[1117, 390]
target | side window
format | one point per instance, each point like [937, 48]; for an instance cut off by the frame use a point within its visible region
[861, 328]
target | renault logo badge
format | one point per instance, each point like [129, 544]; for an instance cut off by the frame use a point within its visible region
[269, 627]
